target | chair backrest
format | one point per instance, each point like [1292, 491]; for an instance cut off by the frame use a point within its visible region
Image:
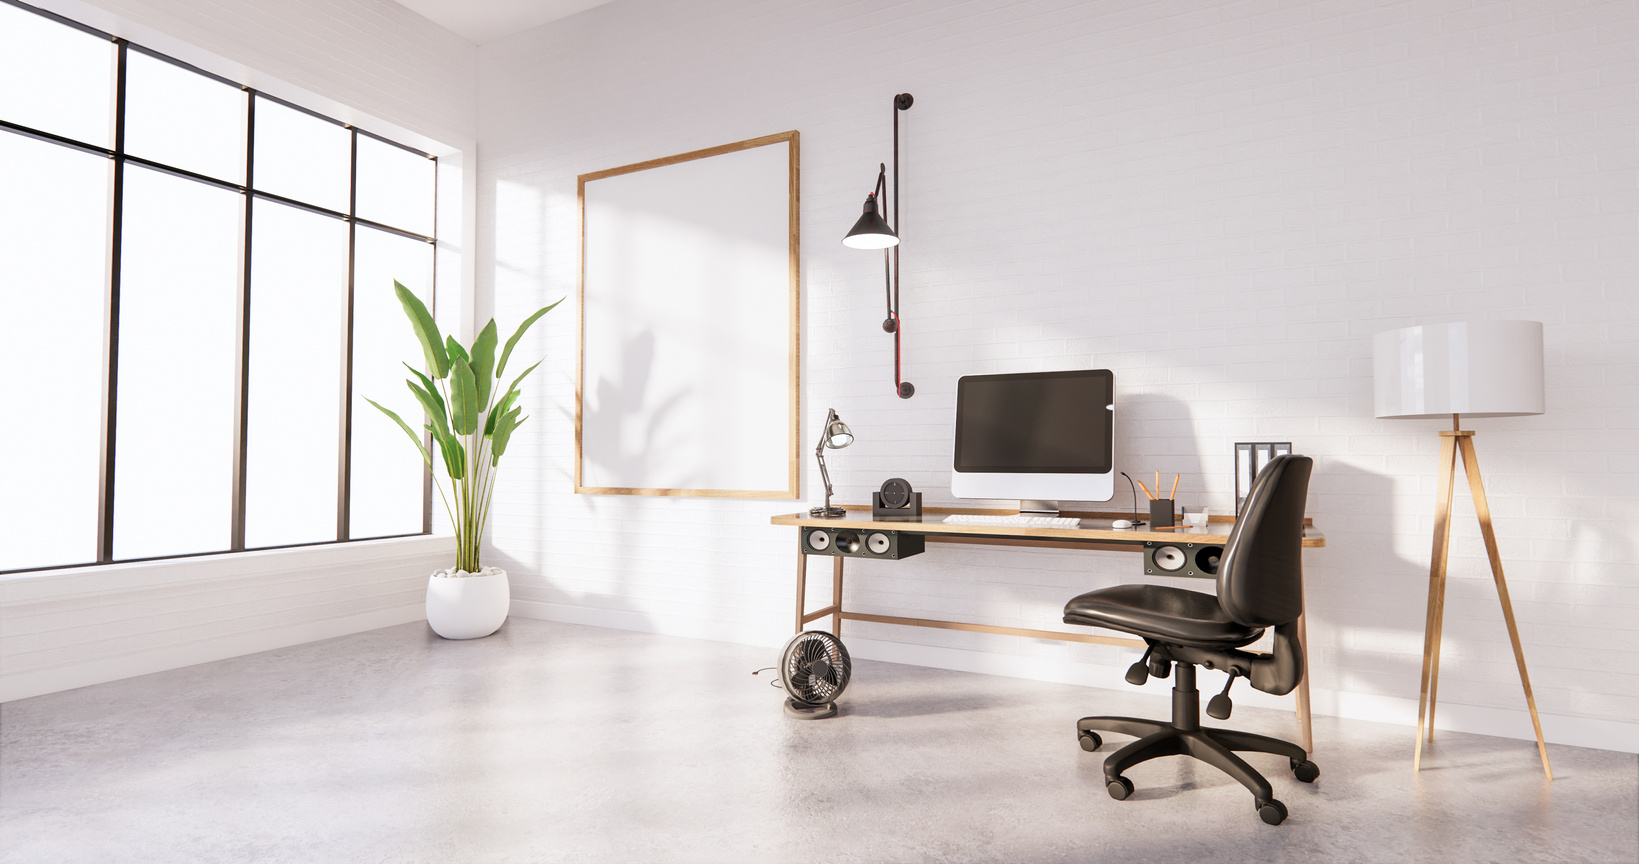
[1260, 578]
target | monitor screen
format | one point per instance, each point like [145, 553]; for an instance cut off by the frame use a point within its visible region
[1035, 436]
[1035, 422]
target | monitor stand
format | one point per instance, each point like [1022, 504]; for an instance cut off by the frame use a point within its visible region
[1038, 508]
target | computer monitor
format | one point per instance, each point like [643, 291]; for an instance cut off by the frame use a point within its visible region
[1035, 436]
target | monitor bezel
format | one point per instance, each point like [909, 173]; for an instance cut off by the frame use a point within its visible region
[1108, 432]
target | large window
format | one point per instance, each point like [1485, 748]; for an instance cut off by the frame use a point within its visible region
[196, 286]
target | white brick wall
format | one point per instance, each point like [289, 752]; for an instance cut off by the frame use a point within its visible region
[1222, 202]
[369, 62]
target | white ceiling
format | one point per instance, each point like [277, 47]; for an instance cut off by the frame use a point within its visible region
[480, 21]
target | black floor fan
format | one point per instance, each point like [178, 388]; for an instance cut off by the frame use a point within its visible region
[814, 669]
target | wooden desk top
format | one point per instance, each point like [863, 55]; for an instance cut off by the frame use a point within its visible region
[1095, 527]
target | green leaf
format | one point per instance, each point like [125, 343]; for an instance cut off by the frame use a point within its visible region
[456, 350]
[432, 405]
[503, 433]
[523, 373]
[421, 320]
[507, 400]
[427, 383]
[500, 409]
[425, 457]
[464, 406]
[455, 456]
[483, 362]
[507, 352]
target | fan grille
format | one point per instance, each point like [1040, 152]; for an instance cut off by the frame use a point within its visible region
[815, 668]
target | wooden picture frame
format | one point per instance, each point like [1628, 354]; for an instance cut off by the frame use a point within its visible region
[688, 368]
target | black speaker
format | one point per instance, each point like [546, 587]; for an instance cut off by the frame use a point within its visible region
[1174, 558]
[854, 543]
[896, 501]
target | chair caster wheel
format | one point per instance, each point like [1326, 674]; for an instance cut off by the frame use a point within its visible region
[1121, 787]
[1305, 771]
[1272, 811]
[1090, 741]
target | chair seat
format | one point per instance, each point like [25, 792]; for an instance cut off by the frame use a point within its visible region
[1162, 613]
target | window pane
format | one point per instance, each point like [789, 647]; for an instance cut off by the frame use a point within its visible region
[53, 276]
[178, 312]
[55, 78]
[395, 187]
[387, 471]
[298, 301]
[301, 157]
[183, 119]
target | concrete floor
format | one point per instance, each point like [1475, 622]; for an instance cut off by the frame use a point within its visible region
[555, 742]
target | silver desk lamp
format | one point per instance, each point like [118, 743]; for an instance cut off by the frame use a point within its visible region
[836, 435]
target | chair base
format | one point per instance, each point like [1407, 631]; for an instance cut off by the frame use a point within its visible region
[1184, 736]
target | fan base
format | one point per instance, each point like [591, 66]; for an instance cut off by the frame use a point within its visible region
[809, 711]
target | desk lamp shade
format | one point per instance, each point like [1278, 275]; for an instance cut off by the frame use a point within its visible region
[1472, 368]
[838, 435]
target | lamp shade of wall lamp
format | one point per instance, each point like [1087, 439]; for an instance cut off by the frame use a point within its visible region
[871, 231]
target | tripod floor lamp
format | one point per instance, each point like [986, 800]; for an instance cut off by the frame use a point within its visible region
[1477, 369]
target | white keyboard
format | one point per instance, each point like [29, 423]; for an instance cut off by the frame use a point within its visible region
[1013, 521]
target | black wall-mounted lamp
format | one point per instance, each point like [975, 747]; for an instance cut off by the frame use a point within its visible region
[873, 232]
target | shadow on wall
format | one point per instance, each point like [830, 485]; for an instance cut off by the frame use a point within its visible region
[606, 419]
[1156, 432]
[1359, 586]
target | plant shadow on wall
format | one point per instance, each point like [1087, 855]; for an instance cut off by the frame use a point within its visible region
[616, 409]
[470, 419]
[612, 410]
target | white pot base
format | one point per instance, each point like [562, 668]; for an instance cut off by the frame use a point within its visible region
[468, 607]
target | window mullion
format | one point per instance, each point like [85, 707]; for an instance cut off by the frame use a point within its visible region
[105, 485]
[344, 464]
[241, 388]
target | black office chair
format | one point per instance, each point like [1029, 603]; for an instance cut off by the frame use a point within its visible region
[1260, 584]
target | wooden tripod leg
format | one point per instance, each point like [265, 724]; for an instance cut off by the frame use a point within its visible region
[1439, 637]
[802, 586]
[1306, 726]
[1471, 464]
[836, 596]
[1436, 590]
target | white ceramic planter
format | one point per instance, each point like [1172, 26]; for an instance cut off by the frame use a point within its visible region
[467, 606]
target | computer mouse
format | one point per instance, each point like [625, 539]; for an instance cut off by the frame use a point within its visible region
[1121, 523]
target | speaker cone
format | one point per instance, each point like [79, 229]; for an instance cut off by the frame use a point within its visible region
[877, 543]
[819, 541]
[1170, 558]
[847, 541]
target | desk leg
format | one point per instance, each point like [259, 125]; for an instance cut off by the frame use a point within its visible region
[1305, 725]
[836, 597]
[802, 586]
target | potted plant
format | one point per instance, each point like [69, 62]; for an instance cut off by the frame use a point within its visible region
[470, 420]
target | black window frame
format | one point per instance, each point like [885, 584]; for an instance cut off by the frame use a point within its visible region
[249, 194]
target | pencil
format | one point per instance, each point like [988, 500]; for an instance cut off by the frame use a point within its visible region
[1174, 492]
[1157, 485]
[1147, 490]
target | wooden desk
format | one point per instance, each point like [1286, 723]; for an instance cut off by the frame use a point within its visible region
[1095, 534]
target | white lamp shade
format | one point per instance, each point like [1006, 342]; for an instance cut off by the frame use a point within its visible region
[1477, 368]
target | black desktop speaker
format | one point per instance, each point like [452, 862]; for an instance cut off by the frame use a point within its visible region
[1173, 558]
[896, 501]
[851, 543]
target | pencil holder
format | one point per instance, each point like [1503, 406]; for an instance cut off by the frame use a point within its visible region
[1161, 515]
